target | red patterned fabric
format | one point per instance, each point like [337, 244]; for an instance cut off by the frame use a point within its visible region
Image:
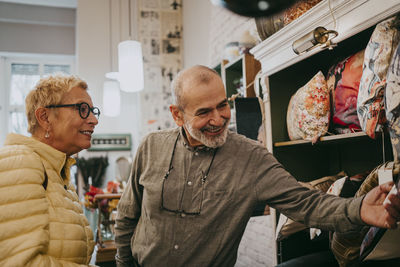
[343, 81]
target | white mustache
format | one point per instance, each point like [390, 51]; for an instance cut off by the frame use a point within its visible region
[213, 128]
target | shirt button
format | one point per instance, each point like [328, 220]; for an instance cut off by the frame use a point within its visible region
[183, 215]
[196, 153]
[176, 247]
[189, 183]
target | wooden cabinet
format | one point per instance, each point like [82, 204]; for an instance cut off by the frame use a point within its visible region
[238, 75]
[284, 72]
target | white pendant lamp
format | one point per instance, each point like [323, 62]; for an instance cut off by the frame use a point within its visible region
[111, 99]
[130, 66]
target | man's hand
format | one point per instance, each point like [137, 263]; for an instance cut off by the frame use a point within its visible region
[375, 212]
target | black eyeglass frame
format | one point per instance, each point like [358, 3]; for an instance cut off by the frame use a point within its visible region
[203, 180]
[94, 110]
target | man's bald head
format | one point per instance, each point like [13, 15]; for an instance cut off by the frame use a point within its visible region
[190, 77]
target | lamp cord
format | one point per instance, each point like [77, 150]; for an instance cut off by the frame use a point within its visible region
[110, 39]
[130, 26]
[333, 17]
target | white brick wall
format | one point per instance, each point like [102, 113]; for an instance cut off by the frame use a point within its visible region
[226, 27]
[257, 248]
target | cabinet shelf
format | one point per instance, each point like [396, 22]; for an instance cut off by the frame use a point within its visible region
[331, 139]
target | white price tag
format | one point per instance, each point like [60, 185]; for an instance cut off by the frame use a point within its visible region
[385, 175]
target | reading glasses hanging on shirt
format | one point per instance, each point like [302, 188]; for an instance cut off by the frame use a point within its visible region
[166, 198]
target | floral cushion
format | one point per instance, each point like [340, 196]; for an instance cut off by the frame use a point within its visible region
[308, 110]
[343, 81]
[370, 105]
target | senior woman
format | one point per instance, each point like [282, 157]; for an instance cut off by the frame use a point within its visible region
[41, 219]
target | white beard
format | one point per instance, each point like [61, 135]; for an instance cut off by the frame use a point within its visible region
[209, 141]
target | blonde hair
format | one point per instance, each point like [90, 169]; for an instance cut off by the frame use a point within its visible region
[198, 74]
[49, 91]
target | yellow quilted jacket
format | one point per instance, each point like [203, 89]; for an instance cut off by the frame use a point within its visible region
[38, 226]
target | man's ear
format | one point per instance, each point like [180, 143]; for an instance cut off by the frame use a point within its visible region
[177, 115]
[42, 117]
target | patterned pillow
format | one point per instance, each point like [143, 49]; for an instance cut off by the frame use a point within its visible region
[370, 106]
[343, 80]
[392, 102]
[308, 110]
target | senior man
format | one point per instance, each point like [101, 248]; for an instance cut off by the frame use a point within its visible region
[193, 188]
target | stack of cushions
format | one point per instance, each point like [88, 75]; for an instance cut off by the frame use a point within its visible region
[358, 85]
[343, 80]
[286, 226]
[370, 103]
[309, 110]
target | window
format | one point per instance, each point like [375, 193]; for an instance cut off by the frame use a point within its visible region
[20, 76]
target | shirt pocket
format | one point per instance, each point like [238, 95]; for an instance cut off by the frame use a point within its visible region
[214, 210]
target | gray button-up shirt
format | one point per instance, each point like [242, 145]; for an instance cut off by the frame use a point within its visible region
[242, 174]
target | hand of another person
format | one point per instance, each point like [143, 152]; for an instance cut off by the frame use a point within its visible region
[375, 212]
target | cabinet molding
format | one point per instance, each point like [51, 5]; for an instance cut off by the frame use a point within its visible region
[352, 16]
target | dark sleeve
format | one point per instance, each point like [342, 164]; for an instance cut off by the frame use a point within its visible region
[311, 207]
[129, 210]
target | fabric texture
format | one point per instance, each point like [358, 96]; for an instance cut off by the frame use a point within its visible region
[152, 236]
[392, 102]
[379, 243]
[346, 248]
[309, 110]
[286, 226]
[343, 81]
[40, 227]
[378, 53]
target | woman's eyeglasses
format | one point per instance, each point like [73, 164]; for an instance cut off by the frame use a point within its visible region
[84, 109]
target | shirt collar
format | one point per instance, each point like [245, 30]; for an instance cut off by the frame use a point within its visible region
[185, 143]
